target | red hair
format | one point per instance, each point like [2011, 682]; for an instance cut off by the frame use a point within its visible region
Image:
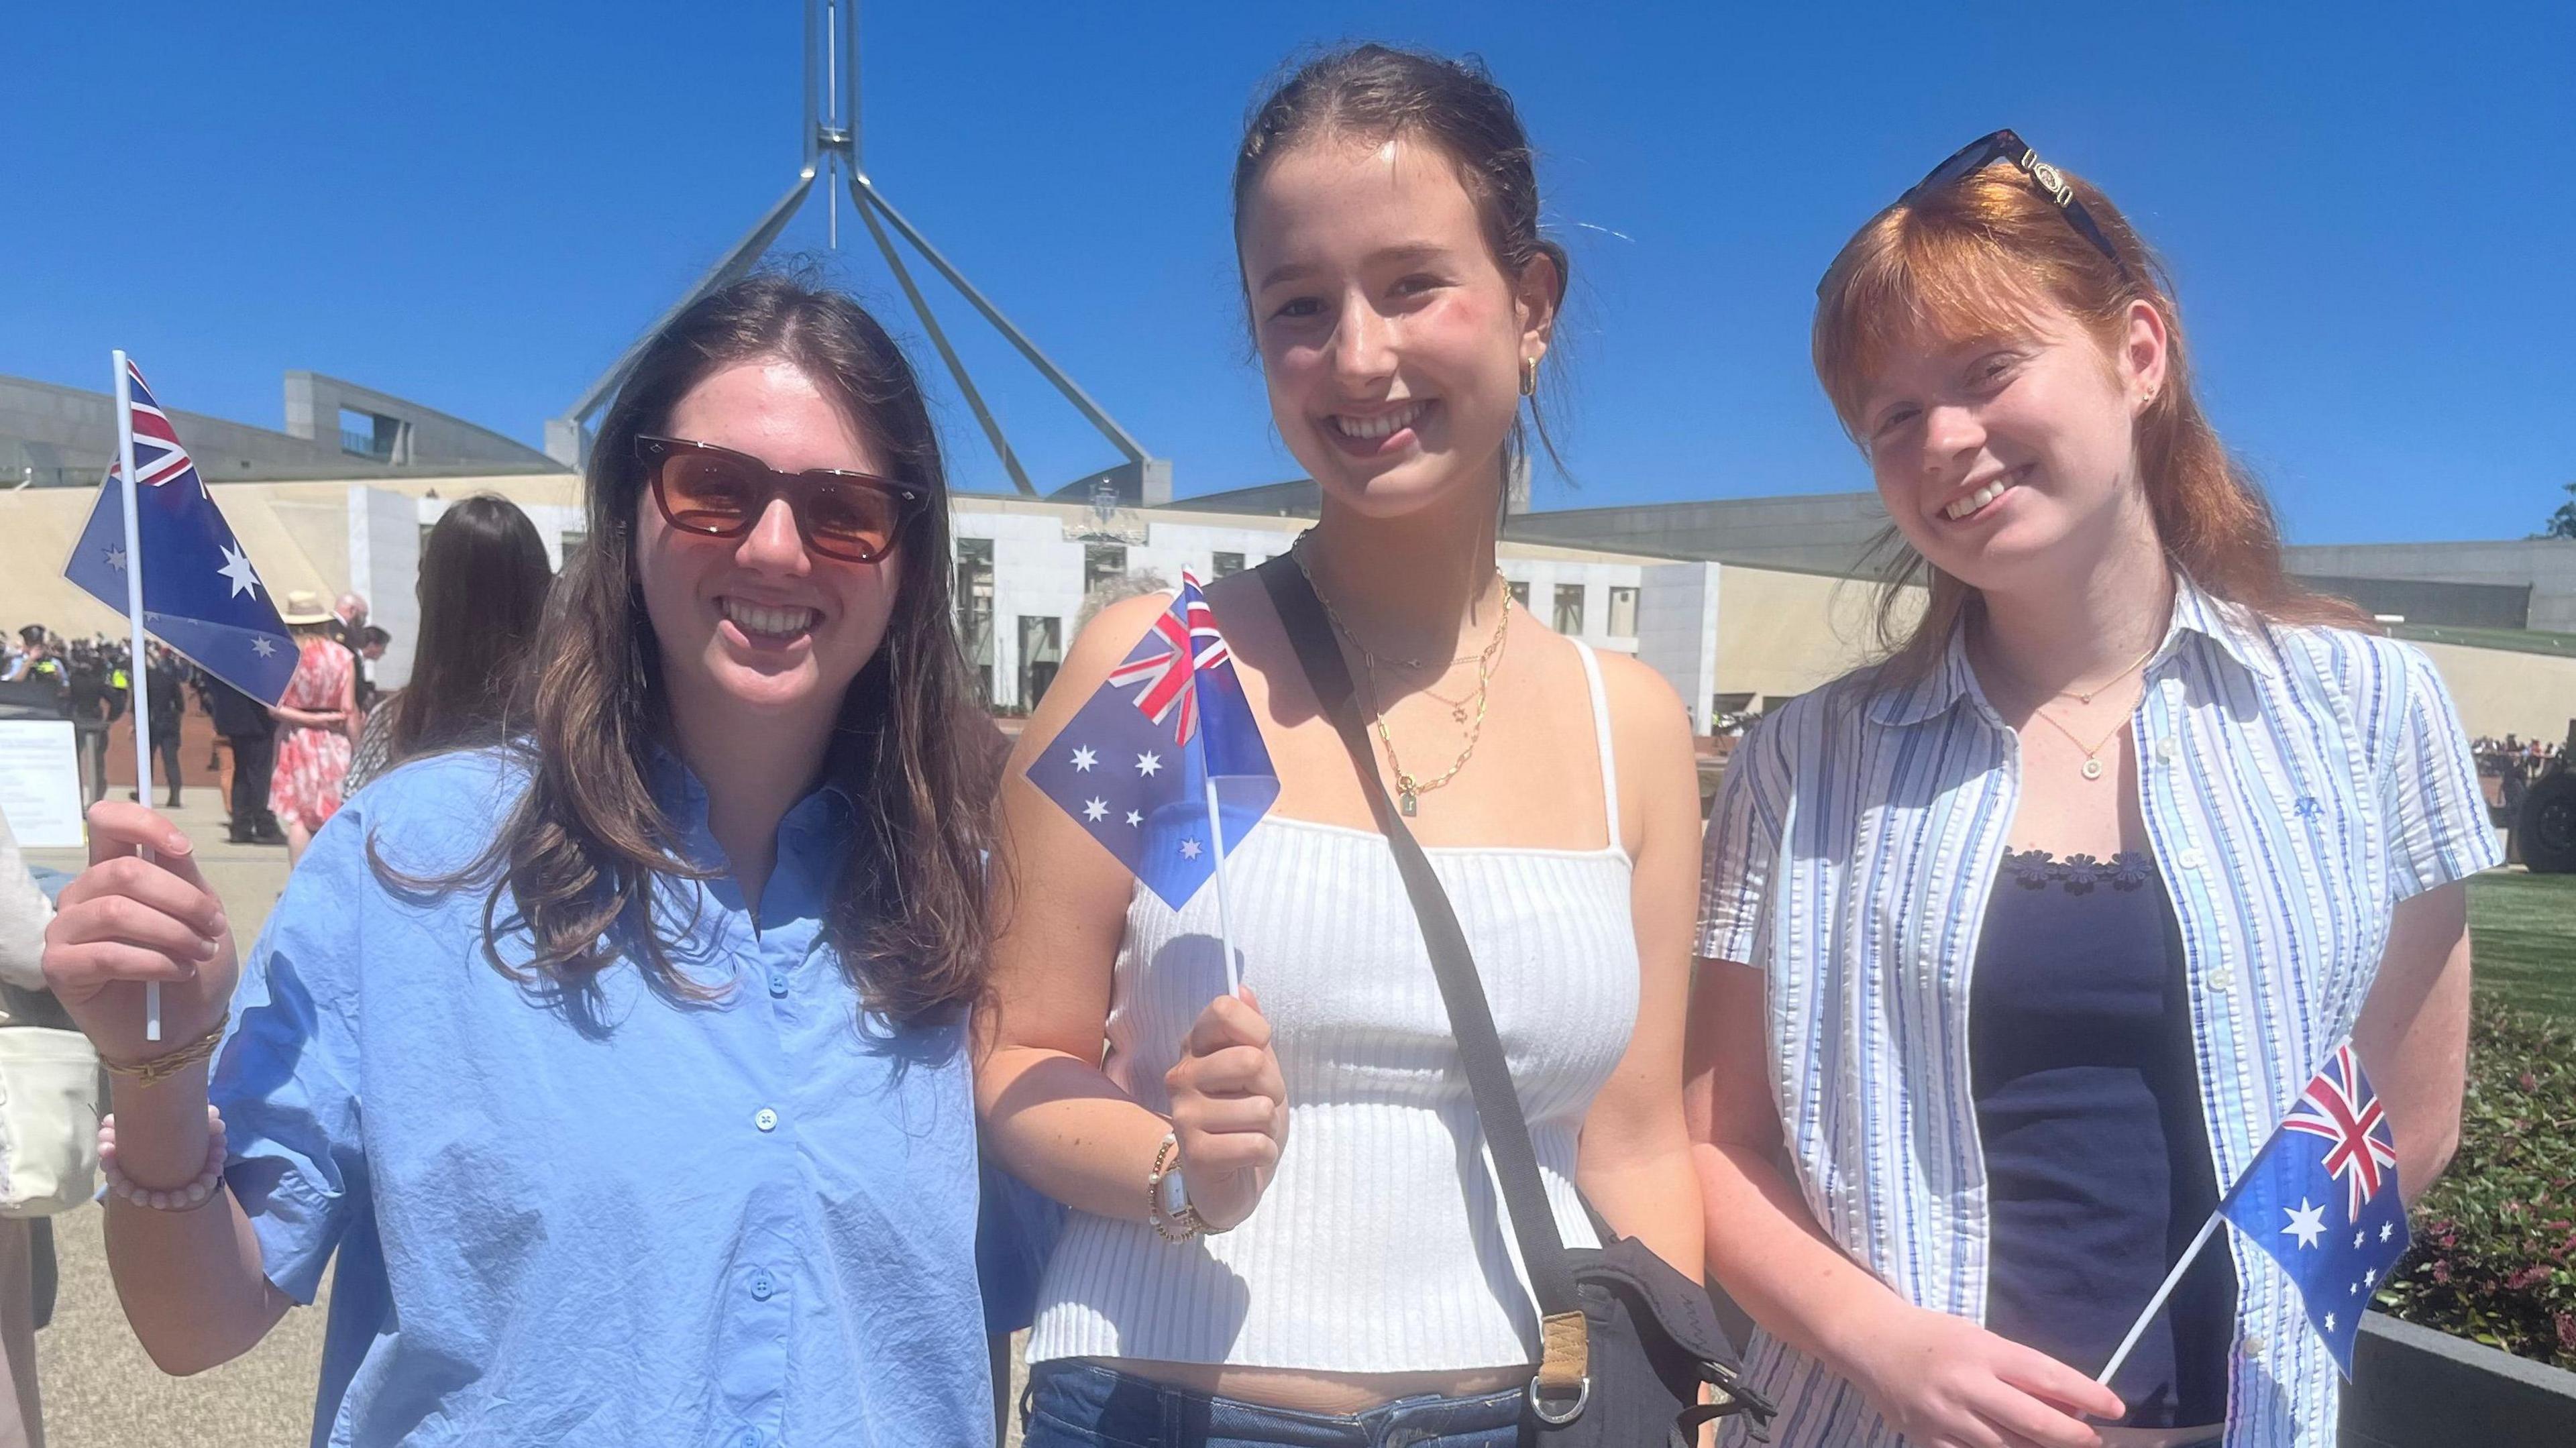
[1980, 258]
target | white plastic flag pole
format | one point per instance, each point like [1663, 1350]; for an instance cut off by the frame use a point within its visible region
[2156, 1304]
[1224, 908]
[142, 707]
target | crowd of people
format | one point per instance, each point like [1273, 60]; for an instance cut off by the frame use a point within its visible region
[2515, 764]
[708, 1035]
[275, 750]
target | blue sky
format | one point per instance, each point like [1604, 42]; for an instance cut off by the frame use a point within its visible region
[2371, 210]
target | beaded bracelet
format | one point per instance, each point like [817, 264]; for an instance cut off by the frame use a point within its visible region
[179, 1199]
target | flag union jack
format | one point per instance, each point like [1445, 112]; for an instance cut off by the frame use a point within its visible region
[1179, 651]
[200, 594]
[1169, 726]
[158, 456]
[2361, 1156]
[2285, 1202]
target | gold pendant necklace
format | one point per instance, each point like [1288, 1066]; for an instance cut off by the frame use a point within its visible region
[2091, 768]
[1408, 789]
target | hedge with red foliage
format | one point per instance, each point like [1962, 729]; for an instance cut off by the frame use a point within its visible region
[2495, 1240]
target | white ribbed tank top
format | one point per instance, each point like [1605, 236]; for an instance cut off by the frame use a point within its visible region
[1380, 1245]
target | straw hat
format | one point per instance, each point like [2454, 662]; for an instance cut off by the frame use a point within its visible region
[303, 605]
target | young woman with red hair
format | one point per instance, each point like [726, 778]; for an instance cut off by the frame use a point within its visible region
[2016, 945]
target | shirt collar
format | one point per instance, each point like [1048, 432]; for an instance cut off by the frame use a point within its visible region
[2238, 632]
[826, 813]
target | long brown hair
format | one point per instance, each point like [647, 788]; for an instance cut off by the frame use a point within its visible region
[581, 861]
[1981, 256]
[483, 580]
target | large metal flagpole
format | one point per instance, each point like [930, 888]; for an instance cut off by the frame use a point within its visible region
[832, 142]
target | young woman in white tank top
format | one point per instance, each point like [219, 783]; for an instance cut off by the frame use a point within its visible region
[1354, 1281]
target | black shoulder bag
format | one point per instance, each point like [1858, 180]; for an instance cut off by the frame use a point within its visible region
[1627, 1341]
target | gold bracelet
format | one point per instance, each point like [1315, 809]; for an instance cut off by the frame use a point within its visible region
[161, 1068]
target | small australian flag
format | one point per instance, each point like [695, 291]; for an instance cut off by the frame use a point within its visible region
[1132, 766]
[2322, 1198]
[200, 595]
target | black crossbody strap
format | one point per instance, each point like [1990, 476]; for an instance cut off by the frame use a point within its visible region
[1480, 1049]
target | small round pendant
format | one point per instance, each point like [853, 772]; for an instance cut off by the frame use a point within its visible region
[2092, 769]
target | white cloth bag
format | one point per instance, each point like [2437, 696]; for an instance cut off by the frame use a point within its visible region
[49, 1100]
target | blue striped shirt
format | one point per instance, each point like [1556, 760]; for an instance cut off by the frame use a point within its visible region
[2296, 784]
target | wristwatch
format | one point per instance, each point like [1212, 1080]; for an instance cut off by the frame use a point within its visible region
[1167, 1196]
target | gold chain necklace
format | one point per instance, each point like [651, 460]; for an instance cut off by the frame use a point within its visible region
[2087, 697]
[2091, 768]
[1408, 789]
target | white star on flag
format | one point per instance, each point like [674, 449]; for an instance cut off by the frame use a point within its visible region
[116, 559]
[262, 647]
[1134, 818]
[2329, 1322]
[1189, 849]
[1083, 759]
[1095, 810]
[2385, 1228]
[237, 569]
[2307, 1223]
[1148, 762]
[2358, 1239]
[2370, 1278]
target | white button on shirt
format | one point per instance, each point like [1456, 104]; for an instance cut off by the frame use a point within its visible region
[2319, 777]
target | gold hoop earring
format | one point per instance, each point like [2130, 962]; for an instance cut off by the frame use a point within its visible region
[1529, 377]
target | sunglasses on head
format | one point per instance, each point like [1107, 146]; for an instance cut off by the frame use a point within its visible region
[2007, 145]
[715, 492]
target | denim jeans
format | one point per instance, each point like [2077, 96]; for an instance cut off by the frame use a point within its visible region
[1083, 1405]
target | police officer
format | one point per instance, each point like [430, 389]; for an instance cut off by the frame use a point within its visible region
[165, 680]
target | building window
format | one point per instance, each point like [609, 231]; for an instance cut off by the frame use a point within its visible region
[1102, 563]
[1041, 654]
[1226, 565]
[364, 434]
[1623, 613]
[975, 611]
[1519, 593]
[1569, 609]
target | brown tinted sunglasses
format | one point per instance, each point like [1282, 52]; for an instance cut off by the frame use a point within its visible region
[716, 492]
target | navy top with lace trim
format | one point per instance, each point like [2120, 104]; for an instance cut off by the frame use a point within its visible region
[2088, 1104]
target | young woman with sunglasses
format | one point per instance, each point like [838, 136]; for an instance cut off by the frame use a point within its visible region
[2018, 944]
[624, 1067]
[1333, 1266]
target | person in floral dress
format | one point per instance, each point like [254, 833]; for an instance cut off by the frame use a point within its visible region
[317, 719]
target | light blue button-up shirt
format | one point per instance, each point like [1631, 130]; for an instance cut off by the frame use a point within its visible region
[625, 1219]
[2296, 784]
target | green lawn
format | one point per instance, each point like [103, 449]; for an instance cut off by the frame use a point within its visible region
[2514, 640]
[2523, 928]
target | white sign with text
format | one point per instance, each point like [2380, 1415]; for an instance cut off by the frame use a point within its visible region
[40, 784]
